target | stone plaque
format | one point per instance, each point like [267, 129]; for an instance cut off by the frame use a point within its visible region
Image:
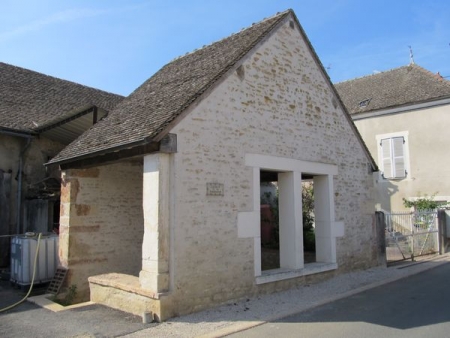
[214, 189]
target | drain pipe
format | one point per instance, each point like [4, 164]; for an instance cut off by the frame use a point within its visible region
[19, 188]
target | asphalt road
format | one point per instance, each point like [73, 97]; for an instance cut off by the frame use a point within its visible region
[417, 306]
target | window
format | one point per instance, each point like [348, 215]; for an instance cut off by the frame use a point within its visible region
[288, 260]
[364, 103]
[393, 155]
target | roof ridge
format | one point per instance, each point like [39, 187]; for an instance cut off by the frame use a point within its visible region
[186, 78]
[57, 78]
[370, 75]
[410, 65]
[435, 76]
[232, 34]
[231, 63]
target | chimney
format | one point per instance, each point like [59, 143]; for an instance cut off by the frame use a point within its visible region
[438, 76]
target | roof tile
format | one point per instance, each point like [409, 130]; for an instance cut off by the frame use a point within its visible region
[397, 87]
[158, 101]
[29, 100]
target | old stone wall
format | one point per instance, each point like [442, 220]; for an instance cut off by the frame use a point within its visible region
[101, 222]
[36, 153]
[277, 104]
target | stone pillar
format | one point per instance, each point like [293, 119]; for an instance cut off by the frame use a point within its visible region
[324, 218]
[290, 220]
[69, 192]
[442, 231]
[154, 275]
[380, 236]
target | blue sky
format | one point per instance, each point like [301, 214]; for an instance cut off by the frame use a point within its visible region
[116, 45]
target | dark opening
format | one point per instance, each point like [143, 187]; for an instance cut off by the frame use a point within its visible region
[309, 237]
[270, 240]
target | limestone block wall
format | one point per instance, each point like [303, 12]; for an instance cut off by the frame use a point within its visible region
[278, 104]
[101, 222]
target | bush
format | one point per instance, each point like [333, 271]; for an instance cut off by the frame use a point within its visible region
[309, 240]
[422, 203]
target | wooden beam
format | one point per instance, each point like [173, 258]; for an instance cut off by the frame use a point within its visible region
[167, 145]
[112, 157]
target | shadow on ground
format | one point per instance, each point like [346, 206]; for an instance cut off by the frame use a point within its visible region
[29, 320]
[416, 301]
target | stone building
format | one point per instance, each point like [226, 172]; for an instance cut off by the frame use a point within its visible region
[161, 199]
[39, 116]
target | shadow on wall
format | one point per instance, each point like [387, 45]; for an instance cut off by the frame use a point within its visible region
[384, 192]
[5, 195]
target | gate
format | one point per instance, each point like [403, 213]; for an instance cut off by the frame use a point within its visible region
[411, 234]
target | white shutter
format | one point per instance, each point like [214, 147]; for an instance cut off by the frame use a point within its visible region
[398, 157]
[393, 157]
[386, 157]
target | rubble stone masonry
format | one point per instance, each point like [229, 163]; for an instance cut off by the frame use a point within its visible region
[279, 104]
[101, 222]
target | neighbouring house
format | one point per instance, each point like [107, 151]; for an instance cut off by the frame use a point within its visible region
[403, 116]
[160, 200]
[39, 116]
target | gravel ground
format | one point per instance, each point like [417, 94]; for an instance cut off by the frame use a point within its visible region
[244, 314]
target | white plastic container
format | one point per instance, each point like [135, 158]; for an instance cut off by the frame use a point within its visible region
[23, 250]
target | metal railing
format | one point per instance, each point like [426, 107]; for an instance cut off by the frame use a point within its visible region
[411, 234]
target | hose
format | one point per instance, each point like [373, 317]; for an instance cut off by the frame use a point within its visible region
[32, 280]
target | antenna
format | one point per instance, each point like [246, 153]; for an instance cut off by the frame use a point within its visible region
[411, 56]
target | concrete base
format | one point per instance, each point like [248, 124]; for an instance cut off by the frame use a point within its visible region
[46, 302]
[124, 292]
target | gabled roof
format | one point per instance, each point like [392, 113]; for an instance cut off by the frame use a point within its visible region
[147, 112]
[138, 124]
[398, 87]
[31, 100]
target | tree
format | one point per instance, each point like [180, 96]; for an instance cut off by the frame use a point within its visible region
[309, 239]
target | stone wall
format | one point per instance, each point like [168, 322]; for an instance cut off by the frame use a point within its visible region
[35, 155]
[279, 105]
[101, 222]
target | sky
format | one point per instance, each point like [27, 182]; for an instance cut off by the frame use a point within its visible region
[115, 45]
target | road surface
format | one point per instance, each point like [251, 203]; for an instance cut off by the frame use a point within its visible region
[417, 306]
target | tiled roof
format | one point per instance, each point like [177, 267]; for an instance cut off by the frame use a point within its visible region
[150, 109]
[29, 99]
[402, 86]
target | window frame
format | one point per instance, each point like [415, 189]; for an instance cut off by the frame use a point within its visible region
[382, 157]
[326, 232]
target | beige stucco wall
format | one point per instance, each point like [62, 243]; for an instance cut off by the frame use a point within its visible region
[428, 139]
[101, 222]
[282, 107]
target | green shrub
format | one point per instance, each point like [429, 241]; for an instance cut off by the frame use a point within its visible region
[422, 203]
